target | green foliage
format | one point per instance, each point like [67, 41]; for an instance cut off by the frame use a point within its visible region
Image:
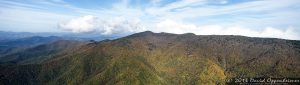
[162, 59]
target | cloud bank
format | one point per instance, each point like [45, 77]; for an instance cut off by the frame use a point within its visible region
[121, 25]
[89, 23]
[81, 24]
[268, 32]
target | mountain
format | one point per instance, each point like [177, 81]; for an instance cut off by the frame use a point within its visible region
[41, 52]
[35, 40]
[15, 45]
[5, 36]
[162, 59]
[12, 42]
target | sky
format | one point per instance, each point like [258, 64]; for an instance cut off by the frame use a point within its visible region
[253, 18]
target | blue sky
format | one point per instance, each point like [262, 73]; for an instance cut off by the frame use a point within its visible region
[254, 18]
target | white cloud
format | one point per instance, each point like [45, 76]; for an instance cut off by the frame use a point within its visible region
[121, 25]
[288, 33]
[173, 27]
[81, 24]
[244, 12]
[117, 25]
[223, 2]
[155, 2]
[268, 32]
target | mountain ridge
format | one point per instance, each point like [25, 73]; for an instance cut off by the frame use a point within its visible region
[164, 58]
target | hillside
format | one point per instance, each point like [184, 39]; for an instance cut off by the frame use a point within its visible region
[9, 46]
[39, 53]
[162, 59]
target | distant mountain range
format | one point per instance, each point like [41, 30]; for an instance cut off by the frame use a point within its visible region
[18, 35]
[149, 58]
[39, 53]
[14, 45]
[79, 36]
[14, 42]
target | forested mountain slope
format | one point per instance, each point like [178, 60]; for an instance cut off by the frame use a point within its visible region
[163, 59]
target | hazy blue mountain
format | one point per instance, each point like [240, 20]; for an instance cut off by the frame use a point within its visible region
[14, 45]
[39, 53]
[4, 36]
[12, 42]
